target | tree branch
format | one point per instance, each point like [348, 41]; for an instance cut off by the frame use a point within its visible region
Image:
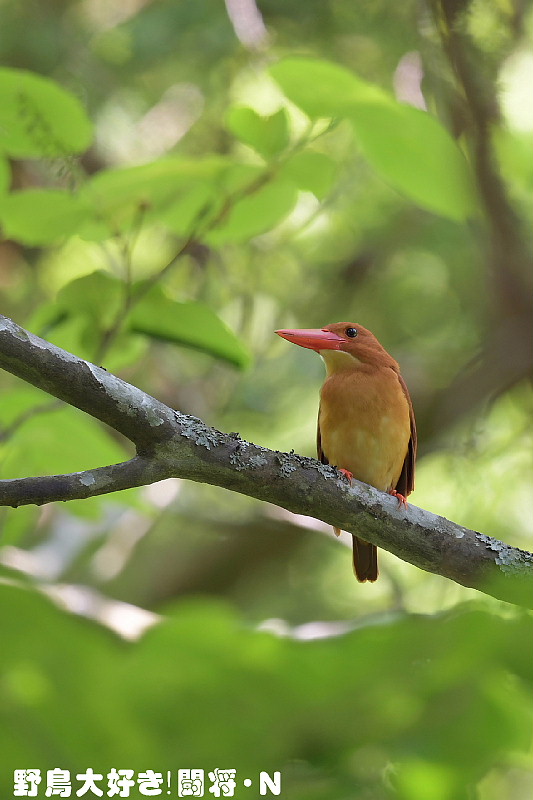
[85, 386]
[137, 471]
[170, 444]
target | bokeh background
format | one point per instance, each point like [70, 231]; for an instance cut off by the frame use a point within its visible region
[223, 632]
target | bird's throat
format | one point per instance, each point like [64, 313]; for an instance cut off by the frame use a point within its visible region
[338, 361]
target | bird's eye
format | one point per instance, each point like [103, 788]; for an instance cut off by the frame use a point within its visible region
[351, 332]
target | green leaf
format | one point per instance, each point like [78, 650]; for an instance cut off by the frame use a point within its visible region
[320, 88]
[79, 326]
[194, 204]
[38, 118]
[19, 401]
[41, 216]
[312, 172]
[408, 147]
[240, 177]
[125, 196]
[77, 333]
[98, 296]
[16, 527]
[268, 135]
[126, 349]
[417, 156]
[513, 152]
[64, 440]
[190, 324]
[84, 310]
[450, 696]
[256, 213]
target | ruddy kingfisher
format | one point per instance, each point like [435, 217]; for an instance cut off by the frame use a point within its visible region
[366, 423]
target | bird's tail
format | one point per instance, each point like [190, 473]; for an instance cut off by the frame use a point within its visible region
[365, 560]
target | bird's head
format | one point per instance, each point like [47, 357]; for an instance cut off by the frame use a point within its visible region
[342, 345]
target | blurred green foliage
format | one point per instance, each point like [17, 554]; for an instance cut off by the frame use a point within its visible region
[410, 706]
[177, 180]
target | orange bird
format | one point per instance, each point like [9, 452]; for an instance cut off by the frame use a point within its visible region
[366, 423]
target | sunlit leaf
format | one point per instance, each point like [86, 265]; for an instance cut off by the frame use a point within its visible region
[312, 172]
[98, 296]
[41, 216]
[40, 118]
[57, 441]
[408, 147]
[240, 178]
[123, 197]
[192, 207]
[18, 403]
[126, 348]
[415, 154]
[268, 135]
[189, 324]
[513, 152]
[256, 213]
[321, 88]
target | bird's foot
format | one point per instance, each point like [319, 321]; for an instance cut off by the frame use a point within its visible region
[400, 498]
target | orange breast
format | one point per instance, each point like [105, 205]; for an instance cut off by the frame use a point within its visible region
[364, 424]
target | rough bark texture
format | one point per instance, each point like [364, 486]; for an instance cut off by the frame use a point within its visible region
[170, 444]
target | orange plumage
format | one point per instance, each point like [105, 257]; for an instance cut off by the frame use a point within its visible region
[366, 424]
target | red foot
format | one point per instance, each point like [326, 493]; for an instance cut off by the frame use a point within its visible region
[347, 474]
[401, 499]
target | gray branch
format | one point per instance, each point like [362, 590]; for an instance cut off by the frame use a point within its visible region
[170, 444]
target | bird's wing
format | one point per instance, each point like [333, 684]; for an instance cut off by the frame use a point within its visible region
[320, 453]
[406, 481]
